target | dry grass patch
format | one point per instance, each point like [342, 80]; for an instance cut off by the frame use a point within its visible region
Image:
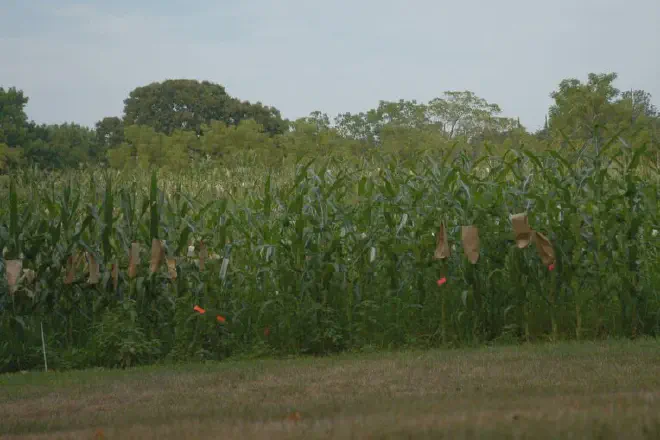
[603, 390]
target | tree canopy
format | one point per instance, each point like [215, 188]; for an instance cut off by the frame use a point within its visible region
[596, 110]
[13, 120]
[177, 121]
[183, 104]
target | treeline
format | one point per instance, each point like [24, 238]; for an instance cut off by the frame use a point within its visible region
[176, 122]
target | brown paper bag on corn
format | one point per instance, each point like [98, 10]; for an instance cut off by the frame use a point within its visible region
[523, 232]
[94, 270]
[171, 268]
[203, 256]
[115, 275]
[71, 268]
[157, 254]
[470, 236]
[442, 246]
[133, 259]
[13, 269]
[545, 250]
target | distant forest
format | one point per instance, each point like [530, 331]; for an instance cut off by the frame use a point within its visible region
[176, 122]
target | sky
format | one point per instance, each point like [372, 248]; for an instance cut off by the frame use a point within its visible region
[78, 60]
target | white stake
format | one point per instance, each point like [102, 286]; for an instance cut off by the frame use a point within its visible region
[43, 346]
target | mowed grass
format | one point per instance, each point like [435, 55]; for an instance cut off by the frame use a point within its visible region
[568, 390]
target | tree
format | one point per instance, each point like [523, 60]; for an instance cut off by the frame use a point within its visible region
[13, 120]
[321, 121]
[247, 140]
[59, 146]
[462, 113]
[640, 104]
[409, 141]
[638, 119]
[109, 132]
[268, 117]
[143, 147]
[363, 127]
[402, 113]
[314, 134]
[72, 144]
[596, 111]
[37, 150]
[9, 157]
[367, 126]
[180, 146]
[181, 104]
[582, 111]
[177, 104]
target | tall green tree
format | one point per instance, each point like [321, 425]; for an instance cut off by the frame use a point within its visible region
[641, 104]
[9, 157]
[60, 146]
[109, 132]
[143, 146]
[314, 134]
[402, 113]
[363, 127]
[584, 110]
[37, 150]
[13, 126]
[182, 104]
[245, 141]
[269, 118]
[181, 147]
[177, 104]
[367, 126]
[13, 120]
[596, 111]
[74, 143]
[462, 113]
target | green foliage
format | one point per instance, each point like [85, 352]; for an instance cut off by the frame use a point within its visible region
[13, 119]
[13, 127]
[109, 134]
[177, 123]
[72, 143]
[9, 157]
[596, 110]
[320, 239]
[189, 104]
[333, 256]
[176, 105]
[118, 341]
[60, 146]
[242, 143]
[465, 114]
[269, 118]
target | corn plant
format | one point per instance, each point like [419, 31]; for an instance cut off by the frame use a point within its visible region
[327, 255]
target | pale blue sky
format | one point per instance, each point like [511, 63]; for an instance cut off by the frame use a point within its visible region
[77, 61]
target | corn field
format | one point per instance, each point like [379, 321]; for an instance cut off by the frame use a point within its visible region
[123, 268]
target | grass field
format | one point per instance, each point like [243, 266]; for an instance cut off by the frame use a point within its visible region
[569, 390]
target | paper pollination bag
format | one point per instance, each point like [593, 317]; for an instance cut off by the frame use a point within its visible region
[442, 245]
[29, 275]
[94, 270]
[171, 268]
[470, 236]
[523, 232]
[133, 258]
[115, 275]
[13, 269]
[157, 254]
[545, 250]
[71, 265]
[203, 255]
